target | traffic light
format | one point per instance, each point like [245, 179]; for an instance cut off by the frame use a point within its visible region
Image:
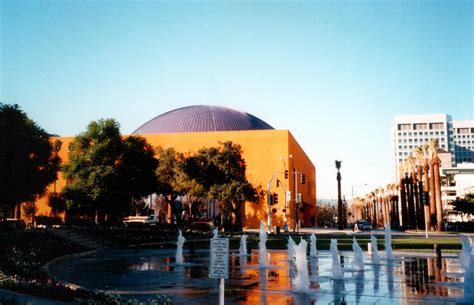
[286, 174]
[425, 198]
[303, 178]
[275, 198]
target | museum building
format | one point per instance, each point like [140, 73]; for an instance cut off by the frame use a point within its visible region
[275, 161]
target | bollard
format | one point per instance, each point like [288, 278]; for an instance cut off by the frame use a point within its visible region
[369, 248]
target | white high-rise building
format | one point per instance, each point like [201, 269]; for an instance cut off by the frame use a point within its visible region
[455, 137]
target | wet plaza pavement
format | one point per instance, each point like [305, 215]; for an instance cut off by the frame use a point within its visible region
[408, 279]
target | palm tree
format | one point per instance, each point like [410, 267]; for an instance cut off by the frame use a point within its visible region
[426, 185]
[403, 200]
[431, 187]
[373, 209]
[420, 159]
[409, 170]
[435, 162]
[368, 203]
[395, 212]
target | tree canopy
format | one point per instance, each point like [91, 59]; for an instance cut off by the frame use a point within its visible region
[27, 162]
[464, 205]
[108, 171]
[221, 172]
[212, 173]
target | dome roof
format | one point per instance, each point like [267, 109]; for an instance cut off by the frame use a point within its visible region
[202, 118]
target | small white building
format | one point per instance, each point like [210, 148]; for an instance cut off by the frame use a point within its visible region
[459, 182]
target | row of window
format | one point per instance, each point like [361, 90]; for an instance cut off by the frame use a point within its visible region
[464, 130]
[463, 136]
[464, 153]
[409, 134]
[424, 140]
[458, 160]
[421, 126]
[413, 146]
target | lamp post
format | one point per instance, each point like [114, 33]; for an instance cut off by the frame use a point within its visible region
[295, 182]
[339, 199]
[352, 196]
[269, 202]
[284, 192]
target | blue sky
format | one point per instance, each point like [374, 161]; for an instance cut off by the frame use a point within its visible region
[335, 73]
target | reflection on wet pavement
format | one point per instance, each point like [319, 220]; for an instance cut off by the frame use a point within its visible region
[404, 280]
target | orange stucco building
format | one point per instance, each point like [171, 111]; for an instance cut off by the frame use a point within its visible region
[268, 154]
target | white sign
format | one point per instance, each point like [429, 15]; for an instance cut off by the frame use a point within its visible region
[288, 195]
[219, 267]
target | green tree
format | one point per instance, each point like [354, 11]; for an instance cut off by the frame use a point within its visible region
[465, 205]
[171, 180]
[221, 173]
[107, 171]
[27, 162]
[29, 210]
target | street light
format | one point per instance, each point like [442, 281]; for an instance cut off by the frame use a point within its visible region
[339, 199]
[284, 193]
[352, 196]
[295, 182]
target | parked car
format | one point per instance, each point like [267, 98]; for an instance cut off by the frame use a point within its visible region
[362, 225]
[149, 220]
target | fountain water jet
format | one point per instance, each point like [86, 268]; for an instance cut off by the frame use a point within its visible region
[291, 249]
[466, 252]
[243, 245]
[262, 246]
[301, 281]
[375, 252]
[358, 262]
[388, 242]
[179, 249]
[313, 251]
[466, 258]
[336, 265]
[215, 233]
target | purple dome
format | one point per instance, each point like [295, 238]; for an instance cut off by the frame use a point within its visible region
[202, 118]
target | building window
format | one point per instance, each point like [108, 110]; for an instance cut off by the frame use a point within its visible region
[436, 126]
[463, 130]
[404, 126]
[419, 126]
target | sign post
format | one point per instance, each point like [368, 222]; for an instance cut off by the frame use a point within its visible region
[219, 267]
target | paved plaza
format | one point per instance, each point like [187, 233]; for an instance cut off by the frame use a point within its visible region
[408, 279]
